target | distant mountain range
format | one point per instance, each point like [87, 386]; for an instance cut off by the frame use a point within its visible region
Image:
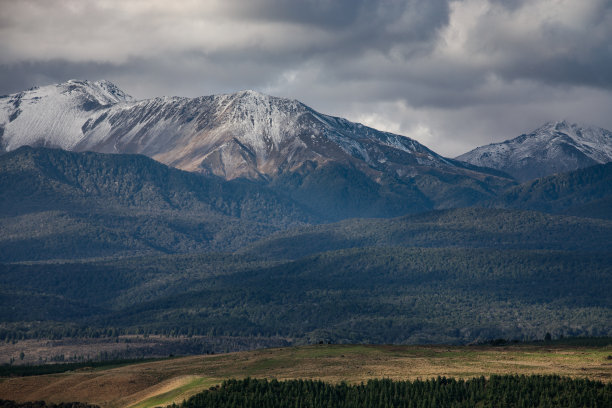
[556, 147]
[259, 217]
[335, 167]
[246, 134]
[256, 164]
[255, 136]
[56, 204]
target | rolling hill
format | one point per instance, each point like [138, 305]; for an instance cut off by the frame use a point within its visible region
[585, 193]
[56, 204]
[501, 229]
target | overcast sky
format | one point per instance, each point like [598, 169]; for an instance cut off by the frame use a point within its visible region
[451, 74]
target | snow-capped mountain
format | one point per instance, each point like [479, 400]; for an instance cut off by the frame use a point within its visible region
[245, 134]
[54, 115]
[553, 148]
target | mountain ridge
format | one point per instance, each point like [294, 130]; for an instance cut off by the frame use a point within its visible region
[318, 160]
[237, 110]
[555, 147]
[586, 192]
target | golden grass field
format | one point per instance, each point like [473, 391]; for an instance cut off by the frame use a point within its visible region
[163, 382]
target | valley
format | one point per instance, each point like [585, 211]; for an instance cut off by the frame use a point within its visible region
[257, 237]
[305, 204]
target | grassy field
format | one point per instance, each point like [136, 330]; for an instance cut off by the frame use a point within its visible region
[162, 382]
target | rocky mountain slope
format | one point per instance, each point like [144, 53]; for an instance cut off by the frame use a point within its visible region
[330, 164]
[555, 147]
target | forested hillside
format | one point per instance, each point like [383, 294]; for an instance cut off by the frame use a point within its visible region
[101, 245]
[61, 205]
[457, 228]
[370, 295]
[584, 193]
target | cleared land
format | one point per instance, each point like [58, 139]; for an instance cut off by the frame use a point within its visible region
[73, 350]
[162, 382]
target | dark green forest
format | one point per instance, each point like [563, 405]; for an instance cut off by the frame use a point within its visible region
[497, 391]
[584, 192]
[95, 245]
[369, 295]
[61, 205]
[499, 229]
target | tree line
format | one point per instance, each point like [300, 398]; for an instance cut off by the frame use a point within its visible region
[497, 391]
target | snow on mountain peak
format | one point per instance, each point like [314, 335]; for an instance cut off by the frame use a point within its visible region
[53, 115]
[553, 147]
[251, 93]
[556, 126]
[251, 100]
[113, 90]
[105, 92]
[244, 134]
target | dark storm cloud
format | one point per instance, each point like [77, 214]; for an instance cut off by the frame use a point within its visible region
[191, 74]
[569, 45]
[359, 24]
[332, 15]
[452, 74]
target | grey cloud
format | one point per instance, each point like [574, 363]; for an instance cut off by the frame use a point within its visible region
[455, 73]
[574, 50]
[23, 75]
[331, 15]
[184, 74]
[352, 28]
[509, 4]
